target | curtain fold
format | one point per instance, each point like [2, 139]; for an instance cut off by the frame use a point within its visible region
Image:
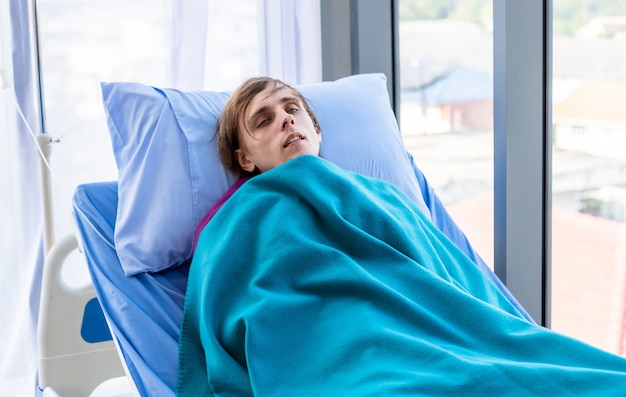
[290, 40]
[189, 41]
[21, 254]
[288, 36]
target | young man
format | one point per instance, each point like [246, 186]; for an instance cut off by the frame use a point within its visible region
[264, 124]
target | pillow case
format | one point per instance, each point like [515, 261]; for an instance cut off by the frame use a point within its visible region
[170, 173]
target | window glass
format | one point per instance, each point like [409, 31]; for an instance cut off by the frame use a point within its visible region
[589, 172]
[446, 113]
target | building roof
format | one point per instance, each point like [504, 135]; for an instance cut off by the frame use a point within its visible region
[588, 269]
[460, 84]
[604, 26]
[594, 101]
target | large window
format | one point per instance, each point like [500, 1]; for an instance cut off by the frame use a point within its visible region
[446, 64]
[587, 277]
[589, 172]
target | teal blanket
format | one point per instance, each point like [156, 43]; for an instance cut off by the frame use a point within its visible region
[312, 281]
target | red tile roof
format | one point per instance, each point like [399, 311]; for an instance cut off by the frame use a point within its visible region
[594, 101]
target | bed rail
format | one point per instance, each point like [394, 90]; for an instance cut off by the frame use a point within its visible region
[76, 351]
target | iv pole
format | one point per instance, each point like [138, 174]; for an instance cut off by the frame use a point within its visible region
[44, 141]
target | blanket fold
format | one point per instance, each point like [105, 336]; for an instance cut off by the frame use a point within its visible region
[314, 281]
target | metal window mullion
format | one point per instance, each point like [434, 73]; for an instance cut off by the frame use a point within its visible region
[360, 36]
[522, 152]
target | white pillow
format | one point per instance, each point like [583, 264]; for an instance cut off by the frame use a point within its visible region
[170, 172]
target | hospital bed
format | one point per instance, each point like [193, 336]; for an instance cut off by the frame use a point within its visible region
[136, 234]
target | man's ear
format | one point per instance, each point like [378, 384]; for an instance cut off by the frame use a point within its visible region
[245, 162]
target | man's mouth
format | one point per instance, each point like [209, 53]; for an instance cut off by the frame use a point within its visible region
[291, 139]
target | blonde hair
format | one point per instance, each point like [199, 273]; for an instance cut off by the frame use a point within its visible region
[231, 122]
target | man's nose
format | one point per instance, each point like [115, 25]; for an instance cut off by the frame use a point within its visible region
[288, 120]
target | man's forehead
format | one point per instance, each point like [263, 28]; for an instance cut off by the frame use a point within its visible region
[281, 93]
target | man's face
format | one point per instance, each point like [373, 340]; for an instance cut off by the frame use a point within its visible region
[278, 129]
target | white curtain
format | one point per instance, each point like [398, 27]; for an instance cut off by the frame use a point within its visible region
[288, 35]
[21, 249]
[189, 41]
[290, 40]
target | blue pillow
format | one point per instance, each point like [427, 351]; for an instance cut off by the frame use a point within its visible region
[170, 172]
